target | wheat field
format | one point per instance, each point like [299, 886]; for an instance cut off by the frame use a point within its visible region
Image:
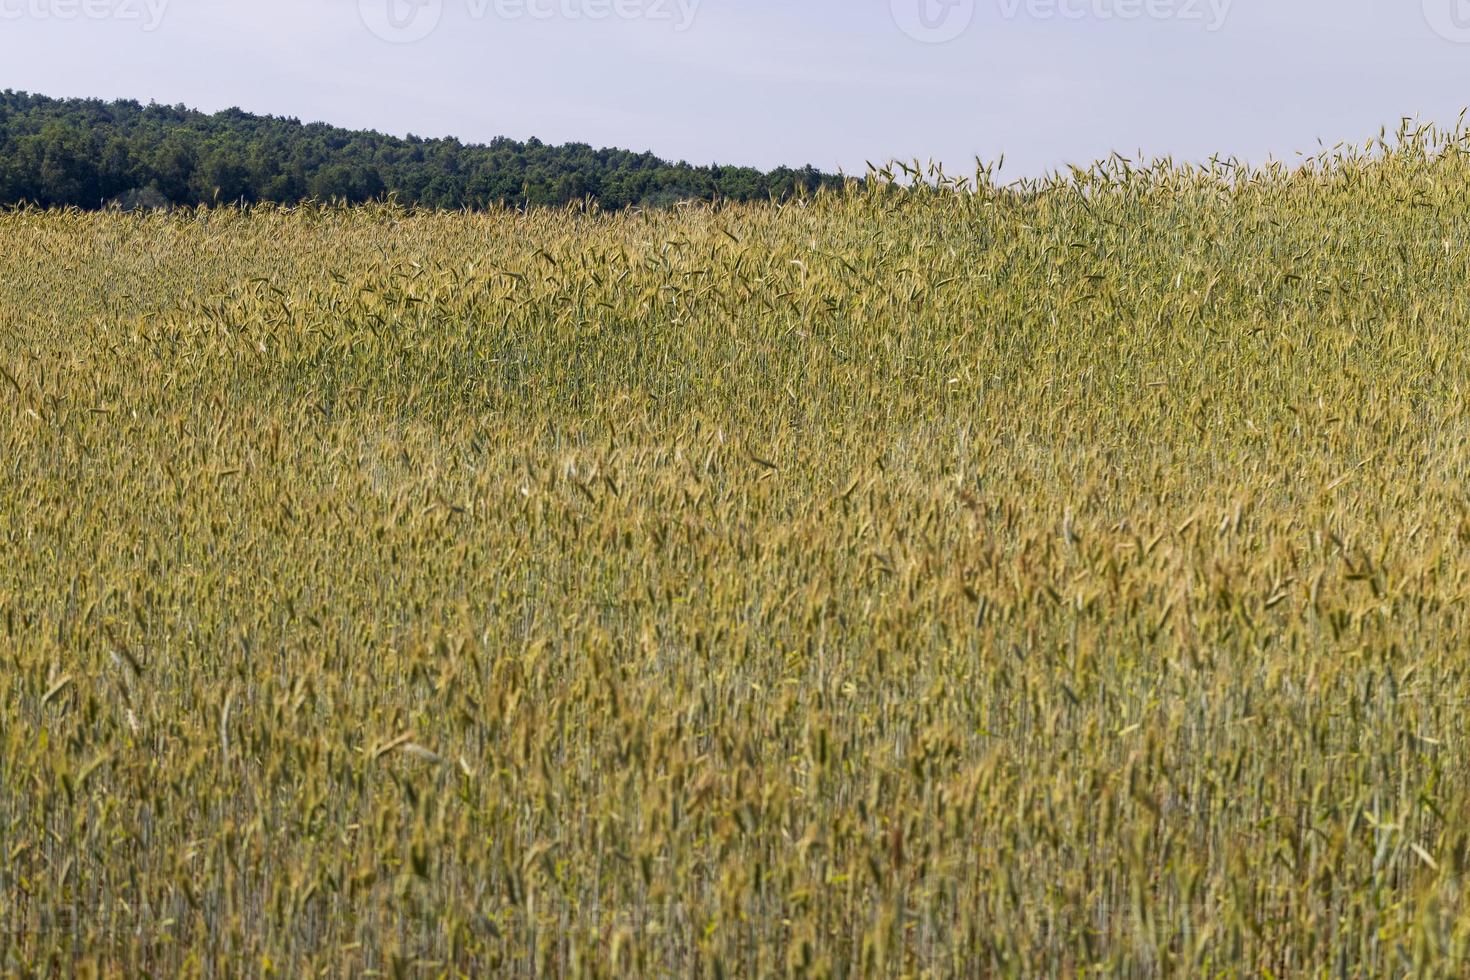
[1057, 580]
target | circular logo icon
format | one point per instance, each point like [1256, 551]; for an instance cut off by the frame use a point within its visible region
[1450, 19]
[936, 21]
[401, 21]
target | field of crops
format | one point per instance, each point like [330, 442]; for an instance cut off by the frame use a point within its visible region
[895, 583]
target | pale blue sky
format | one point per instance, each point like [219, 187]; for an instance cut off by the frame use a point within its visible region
[764, 82]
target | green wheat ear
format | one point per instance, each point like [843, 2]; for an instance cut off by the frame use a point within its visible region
[934, 578]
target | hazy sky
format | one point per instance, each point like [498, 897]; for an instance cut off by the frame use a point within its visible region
[829, 82]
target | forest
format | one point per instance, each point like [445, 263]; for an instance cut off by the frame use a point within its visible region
[92, 154]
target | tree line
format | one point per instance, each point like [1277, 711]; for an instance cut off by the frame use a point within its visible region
[88, 153]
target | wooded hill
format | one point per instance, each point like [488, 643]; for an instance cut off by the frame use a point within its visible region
[90, 154]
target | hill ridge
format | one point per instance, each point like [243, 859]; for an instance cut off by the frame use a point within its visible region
[90, 153]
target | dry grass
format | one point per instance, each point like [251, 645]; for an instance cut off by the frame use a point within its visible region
[928, 583]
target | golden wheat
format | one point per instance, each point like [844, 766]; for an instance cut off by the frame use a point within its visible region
[1034, 581]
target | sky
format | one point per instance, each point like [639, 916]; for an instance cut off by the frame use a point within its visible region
[833, 83]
